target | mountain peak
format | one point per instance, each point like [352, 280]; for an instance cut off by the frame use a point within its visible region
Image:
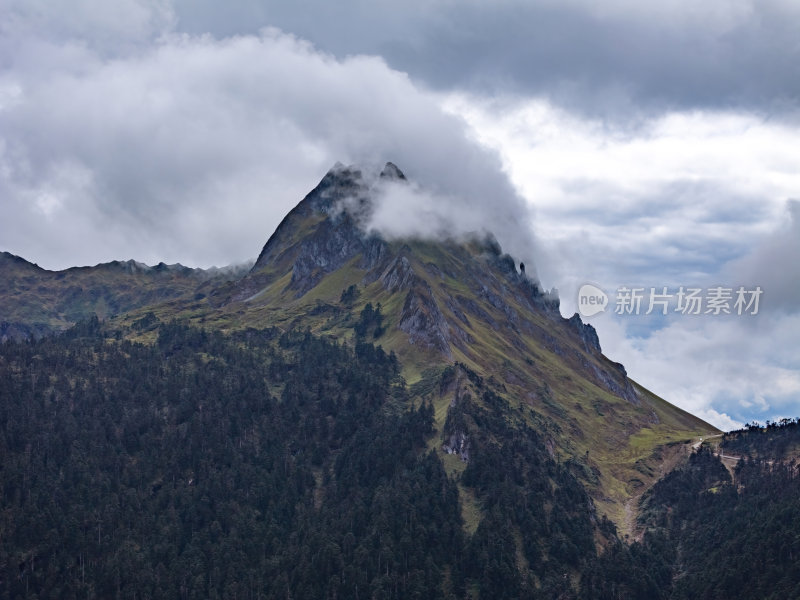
[392, 172]
[344, 190]
[478, 341]
[9, 260]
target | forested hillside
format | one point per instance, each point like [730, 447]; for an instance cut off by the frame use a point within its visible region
[774, 441]
[708, 535]
[265, 465]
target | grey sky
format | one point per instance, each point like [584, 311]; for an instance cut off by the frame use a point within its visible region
[620, 142]
[617, 58]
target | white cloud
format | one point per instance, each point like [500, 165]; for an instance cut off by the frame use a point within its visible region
[105, 26]
[669, 202]
[122, 137]
[729, 371]
[192, 150]
[692, 199]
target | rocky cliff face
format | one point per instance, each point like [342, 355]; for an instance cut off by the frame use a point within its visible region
[586, 332]
[449, 299]
[476, 335]
[334, 242]
[331, 214]
[423, 321]
[456, 301]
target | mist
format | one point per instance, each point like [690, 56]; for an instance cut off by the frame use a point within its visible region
[400, 209]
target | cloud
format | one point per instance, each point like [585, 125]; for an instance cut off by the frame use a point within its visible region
[620, 59]
[669, 204]
[193, 148]
[403, 209]
[656, 144]
[104, 28]
[732, 369]
[774, 264]
[689, 199]
[728, 371]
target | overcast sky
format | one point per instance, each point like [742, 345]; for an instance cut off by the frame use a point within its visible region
[619, 142]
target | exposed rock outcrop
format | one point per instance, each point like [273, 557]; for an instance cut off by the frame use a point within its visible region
[423, 321]
[457, 443]
[586, 332]
[399, 275]
[329, 247]
[392, 172]
[339, 184]
[619, 386]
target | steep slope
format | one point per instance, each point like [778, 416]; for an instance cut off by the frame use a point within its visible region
[261, 464]
[265, 465]
[713, 532]
[35, 301]
[464, 322]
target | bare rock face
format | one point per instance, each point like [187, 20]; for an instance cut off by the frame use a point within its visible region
[586, 332]
[455, 439]
[423, 321]
[374, 253]
[322, 234]
[618, 383]
[399, 275]
[327, 249]
[326, 231]
[339, 184]
[392, 172]
[457, 443]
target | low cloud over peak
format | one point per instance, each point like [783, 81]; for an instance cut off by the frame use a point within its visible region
[398, 207]
[154, 154]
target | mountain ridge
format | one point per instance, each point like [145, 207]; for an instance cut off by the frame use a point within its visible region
[438, 305]
[456, 301]
[35, 301]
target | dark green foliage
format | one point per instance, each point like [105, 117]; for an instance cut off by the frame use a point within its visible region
[252, 466]
[263, 464]
[370, 322]
[771, 441]
[538, 530]
[632, 572]
[709, 537]
[741, 541]
[349, 295]
[147, 322]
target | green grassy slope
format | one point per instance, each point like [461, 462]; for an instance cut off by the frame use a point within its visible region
[618, 433]
[36, 301]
